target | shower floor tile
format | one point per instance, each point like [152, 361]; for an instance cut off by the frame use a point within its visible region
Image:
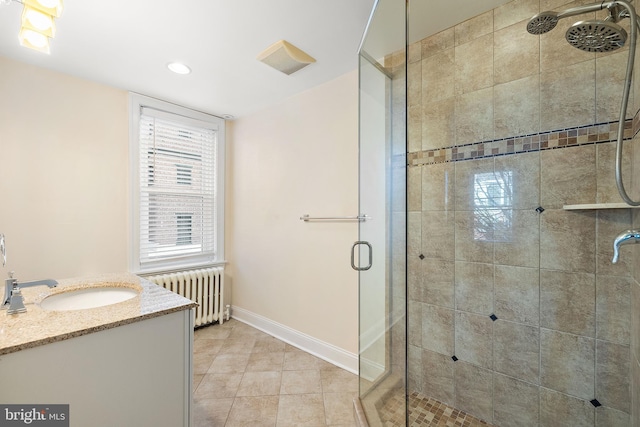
[424, 411]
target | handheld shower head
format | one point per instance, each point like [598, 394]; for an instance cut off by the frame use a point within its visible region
[543, 22]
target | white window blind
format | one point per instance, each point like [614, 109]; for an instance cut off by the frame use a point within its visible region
[177, 187]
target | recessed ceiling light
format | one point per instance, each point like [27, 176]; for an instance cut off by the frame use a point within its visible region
[178, 68]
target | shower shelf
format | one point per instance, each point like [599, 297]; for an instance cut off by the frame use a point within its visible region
[592, 206]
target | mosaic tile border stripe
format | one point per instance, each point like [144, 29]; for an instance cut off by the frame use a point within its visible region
[571, 137]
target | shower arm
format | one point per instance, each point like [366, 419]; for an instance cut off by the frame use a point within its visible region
[633, 28]
[579, 10]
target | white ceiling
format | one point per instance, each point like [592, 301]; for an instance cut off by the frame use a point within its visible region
[127, 44]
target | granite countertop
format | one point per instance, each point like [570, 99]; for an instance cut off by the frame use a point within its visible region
[38, 327]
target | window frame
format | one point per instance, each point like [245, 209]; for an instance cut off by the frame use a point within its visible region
[136, 102]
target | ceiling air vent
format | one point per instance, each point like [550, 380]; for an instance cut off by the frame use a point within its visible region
[285, 57]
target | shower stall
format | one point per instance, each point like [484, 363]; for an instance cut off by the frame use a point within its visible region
[490, 162]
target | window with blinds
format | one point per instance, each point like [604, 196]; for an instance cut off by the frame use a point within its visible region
[177, 197]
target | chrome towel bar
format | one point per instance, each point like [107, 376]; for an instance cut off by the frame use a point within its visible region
[359, 218]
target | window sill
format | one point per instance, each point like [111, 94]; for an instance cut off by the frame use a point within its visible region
[156, 271]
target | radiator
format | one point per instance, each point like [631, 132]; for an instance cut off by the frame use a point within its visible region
[205, 287]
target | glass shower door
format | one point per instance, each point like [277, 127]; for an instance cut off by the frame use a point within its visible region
[382, 236]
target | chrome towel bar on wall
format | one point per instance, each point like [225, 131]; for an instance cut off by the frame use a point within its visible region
[359, 218]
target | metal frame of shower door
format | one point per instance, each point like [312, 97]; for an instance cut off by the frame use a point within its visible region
[390, 289]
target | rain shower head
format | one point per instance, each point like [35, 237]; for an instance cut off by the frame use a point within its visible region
[590, 36]
[596, 36]
[543, 23]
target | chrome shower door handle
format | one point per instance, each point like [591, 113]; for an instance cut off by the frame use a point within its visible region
[353, 255]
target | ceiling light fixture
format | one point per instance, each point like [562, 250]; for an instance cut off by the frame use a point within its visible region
[38, 21]
[178, 68]
[50, 7]
[34, 40]
[38, 24]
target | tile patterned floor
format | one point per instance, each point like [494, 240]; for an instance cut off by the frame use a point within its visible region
[244, 377]
[424, 411]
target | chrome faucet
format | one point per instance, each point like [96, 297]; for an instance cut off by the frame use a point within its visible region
[624, 238]
[12, 300]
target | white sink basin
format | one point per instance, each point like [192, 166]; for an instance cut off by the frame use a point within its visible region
[81, 299]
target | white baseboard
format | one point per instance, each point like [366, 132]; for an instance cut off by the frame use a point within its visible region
[371, 370]
[323, 350]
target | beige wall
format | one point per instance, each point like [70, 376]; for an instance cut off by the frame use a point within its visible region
[64, 196]
[295, 158]
[63, 174]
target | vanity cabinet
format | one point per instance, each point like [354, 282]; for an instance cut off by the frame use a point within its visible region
[134, 375]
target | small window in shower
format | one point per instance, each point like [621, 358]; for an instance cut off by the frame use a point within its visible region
[493, 206]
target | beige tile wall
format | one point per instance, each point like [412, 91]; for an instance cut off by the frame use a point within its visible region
[563, 332]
